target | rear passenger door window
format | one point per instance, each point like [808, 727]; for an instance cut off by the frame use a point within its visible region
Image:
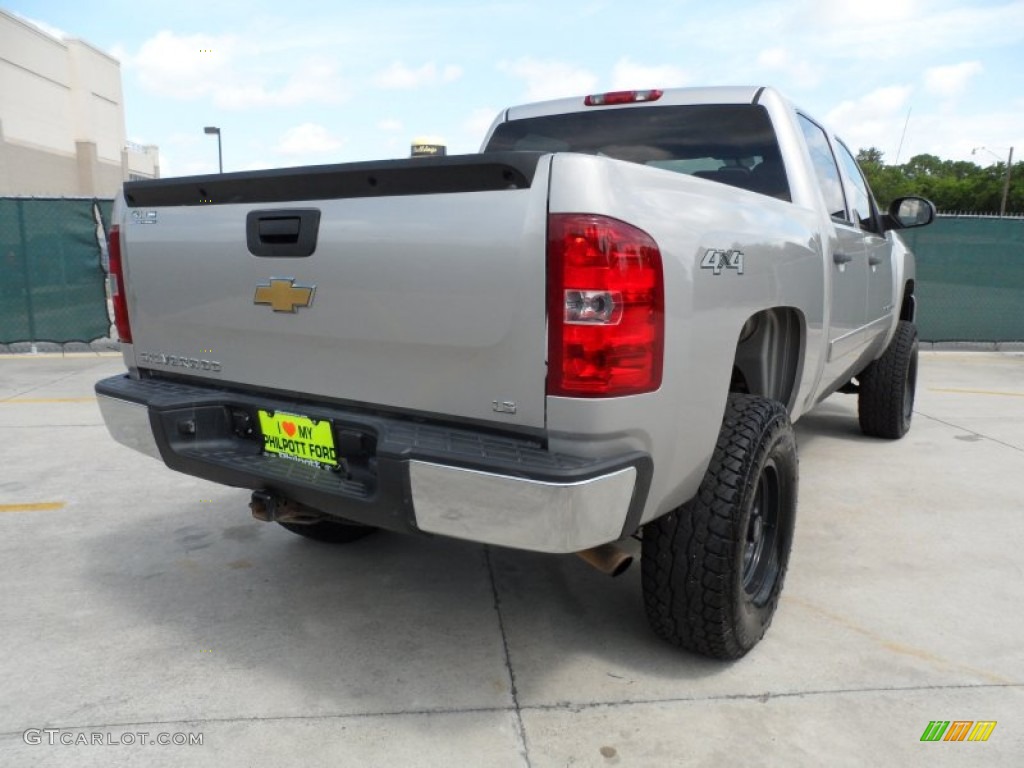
[825, 169]
[877, 247]
[862, 205]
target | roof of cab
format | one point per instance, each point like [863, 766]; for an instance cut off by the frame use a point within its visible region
[670, 96]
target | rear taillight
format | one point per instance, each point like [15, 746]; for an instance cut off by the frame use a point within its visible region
[606, 308]
[117, 292]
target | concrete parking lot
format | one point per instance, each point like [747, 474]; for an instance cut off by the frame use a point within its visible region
[134, 600]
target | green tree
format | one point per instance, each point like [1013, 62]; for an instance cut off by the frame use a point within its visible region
[953, 185]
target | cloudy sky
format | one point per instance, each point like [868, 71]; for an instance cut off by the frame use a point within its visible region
[301, 82]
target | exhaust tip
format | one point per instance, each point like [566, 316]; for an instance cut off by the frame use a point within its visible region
[268, 508]
[610, 559]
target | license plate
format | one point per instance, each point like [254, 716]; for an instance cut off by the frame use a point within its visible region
[298, 438]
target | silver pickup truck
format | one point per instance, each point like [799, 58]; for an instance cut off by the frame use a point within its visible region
[601, 326]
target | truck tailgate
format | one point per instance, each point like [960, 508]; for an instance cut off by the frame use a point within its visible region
[427, 281]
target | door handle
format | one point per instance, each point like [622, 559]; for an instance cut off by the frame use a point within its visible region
[874, 260]
[841, 258]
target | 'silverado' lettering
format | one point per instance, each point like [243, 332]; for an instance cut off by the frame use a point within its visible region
[193, 363]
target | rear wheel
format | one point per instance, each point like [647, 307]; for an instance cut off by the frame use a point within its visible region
[330, 532]
[713, 569]
[885, 400]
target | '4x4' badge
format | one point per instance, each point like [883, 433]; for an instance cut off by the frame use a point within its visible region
[717, 260]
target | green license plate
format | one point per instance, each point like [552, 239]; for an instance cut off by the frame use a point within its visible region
[298, 438]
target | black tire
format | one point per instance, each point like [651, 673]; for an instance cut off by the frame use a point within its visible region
[330, 532]
[713, 569]
[885, 398]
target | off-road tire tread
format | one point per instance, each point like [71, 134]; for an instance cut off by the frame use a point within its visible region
[689, 565]
[882, 383]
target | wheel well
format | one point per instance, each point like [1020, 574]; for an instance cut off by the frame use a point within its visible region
[768, 355]
[908, 307]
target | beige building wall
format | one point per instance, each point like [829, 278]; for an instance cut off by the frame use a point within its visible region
[62, 118]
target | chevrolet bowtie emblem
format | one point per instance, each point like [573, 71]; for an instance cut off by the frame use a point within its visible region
[283, 295]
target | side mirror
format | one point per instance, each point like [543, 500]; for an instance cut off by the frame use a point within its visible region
[909, 212]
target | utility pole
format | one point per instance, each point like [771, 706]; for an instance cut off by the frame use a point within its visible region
[1006, 180]
[1006, 183]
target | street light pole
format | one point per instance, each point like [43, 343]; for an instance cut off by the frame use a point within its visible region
[211, 129]
[1006, 180]
[1006, 183]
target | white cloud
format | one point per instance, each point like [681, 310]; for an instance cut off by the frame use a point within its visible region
[880, 119]
[628, 75]
[182, 67]
[874, 120]
[951, 136]
[831, 58]
[868, 13]
[546, 79]
[228, 71]
[314, 81]
[882, 31]
[949, 81]
[799, 71]
[308, 139]
[400, 76]
[880, 103]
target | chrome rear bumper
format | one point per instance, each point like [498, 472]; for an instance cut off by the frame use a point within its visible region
[425, 478]
[521, 513]
[128, 423]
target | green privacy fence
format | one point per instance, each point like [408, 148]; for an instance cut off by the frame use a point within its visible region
[970, 278]
[970, 274]
[51, 270]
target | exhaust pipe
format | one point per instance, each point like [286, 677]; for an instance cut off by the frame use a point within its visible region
[268, 508]
[609, 559]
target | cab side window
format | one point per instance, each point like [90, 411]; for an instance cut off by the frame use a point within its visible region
[825, 168]
[861, 202]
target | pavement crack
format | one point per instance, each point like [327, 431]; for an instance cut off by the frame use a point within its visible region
[51, 382]
[524, 749]
[763, 697]
[198, 721]
[36, 427]
[971, 431]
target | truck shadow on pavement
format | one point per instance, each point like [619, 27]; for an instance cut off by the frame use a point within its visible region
[834, 418]
[248, 620]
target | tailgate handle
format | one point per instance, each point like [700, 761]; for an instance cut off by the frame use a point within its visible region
[283, 230]
[287, 232]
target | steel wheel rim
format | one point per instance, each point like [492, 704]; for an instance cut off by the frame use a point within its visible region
[761, 538]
